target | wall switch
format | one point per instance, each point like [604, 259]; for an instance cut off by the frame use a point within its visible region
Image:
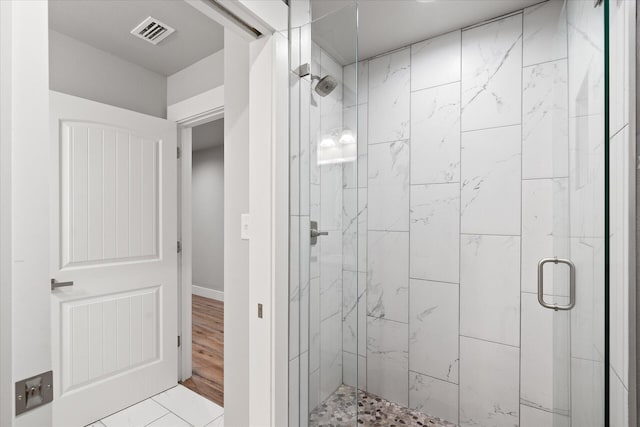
[244, 226]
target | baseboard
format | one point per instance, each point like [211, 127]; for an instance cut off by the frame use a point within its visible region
[207, 293]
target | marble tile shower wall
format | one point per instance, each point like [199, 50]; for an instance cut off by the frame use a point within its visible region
[479, 152]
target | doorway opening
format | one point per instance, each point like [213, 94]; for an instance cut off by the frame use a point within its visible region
[207, 260]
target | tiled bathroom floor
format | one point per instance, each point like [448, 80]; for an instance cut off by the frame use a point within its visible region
[176, 407]
[339, 410]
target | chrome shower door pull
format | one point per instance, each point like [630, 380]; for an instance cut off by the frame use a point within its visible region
[572, 283]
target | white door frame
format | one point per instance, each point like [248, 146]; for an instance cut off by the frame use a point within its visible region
[199, 109]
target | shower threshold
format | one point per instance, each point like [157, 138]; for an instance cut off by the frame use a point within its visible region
[339, 410]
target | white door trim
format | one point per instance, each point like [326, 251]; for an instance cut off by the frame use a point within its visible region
[197, 110]
[202, 108]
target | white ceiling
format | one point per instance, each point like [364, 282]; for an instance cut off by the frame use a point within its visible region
[207, 135]
[106, 24]
[385, 25]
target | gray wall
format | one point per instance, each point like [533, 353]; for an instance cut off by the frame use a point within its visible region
[204, 75]
[207, 195]
[79, 69]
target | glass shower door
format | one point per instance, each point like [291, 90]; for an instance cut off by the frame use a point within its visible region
[325, 291]
[448, 219]
[562, 349]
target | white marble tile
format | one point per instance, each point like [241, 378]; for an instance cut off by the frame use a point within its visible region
[96, 424]
[435, 232]
[490, 288]
[587, 327]
[294, 392]
[295, 262]
[170, 420]
[435, 135]
[619, 401]
[295, 49]
[330, 274]
[586, 176]
[314, 325]
[433, 397]
[436, 61]
[355, 173]
[137, 415]
[620, 24]
[490, 202]
[620, 161]
[304, 389]
[388, 171]
[330, 355]
[545, 230]
[545, 356]
[433, 329]
[190, 406]
[545, 33]
[354, 312]
[354, 370]
[586, 58]
[485, 401]
[330, 197]
[354, 234]
[314, 390]
[304, 151]
[315, 136]
[304, 282]
[587, 393]
[387, 360]
[545, 133]
[218, 422]
[294, 145]
[351, 97]
[389, 97]
[388, 275]
[492, 74]
[533, 417]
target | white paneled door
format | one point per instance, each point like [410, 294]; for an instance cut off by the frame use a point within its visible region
[114, 234]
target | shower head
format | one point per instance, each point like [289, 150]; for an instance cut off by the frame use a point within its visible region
[325, 85]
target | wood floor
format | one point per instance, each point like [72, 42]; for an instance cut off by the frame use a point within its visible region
[208, 349]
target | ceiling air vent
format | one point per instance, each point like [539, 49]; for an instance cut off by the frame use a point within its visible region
[152, 30]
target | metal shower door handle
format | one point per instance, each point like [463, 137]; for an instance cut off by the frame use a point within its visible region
[572, 283]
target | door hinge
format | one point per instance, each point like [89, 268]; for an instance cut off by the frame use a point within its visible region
[179, 341]
[179, 246]
[179, 152]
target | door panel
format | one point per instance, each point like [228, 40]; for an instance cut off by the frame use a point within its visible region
[113, 198]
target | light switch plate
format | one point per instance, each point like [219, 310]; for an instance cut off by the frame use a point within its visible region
[244, 226]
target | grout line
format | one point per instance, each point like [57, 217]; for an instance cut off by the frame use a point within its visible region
[434, 281]
[490, 234]
[490, 128]
[521, 219]
[435, 378]
[171, 412]
[409, 236]
[459, 367]
[453, 82]
[489, 341]
[550, 61]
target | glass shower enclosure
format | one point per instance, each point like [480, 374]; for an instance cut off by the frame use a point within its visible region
[447, 218]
